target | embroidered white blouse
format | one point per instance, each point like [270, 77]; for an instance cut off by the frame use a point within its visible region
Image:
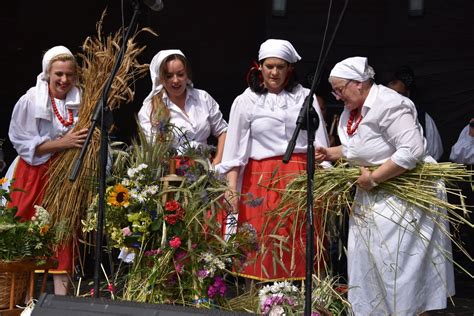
[26, 132]
[203, 117]
[385, 132]
[261, 125]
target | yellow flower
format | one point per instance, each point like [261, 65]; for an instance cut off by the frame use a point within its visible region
[43, 230]
[3, 180]
[119, 196]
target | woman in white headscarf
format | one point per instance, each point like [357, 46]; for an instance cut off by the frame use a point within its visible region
[399, 258]
[173, 97]
[262, 121]
[41, 125]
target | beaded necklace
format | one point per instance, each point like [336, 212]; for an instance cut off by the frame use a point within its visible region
[351, 130]
[58, 115]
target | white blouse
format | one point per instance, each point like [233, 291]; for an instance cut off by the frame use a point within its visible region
[261, 125]
[389, 130]
[203, 117]
[463, 150]
[434, 143]
[27, 132]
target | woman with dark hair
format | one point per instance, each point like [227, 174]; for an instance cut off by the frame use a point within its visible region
[173, 97]
[262, 121]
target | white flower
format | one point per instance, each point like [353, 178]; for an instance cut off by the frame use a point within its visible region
[277, 311]
[142, 166]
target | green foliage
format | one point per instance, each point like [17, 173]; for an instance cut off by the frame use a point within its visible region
[170, 220]
[24, 239]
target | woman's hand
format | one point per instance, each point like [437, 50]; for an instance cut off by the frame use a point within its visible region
[73, 139]
[365, 181]
[320, 154]
[328, 154]
[69, 140]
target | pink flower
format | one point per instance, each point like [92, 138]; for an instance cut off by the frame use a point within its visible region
[126, 231]
[179, 267]
[175, 242]
[111, 288]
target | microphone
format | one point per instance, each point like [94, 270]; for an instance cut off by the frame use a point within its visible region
[155, 5]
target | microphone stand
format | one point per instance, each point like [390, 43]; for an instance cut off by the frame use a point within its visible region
[103, 113]
[308, 120]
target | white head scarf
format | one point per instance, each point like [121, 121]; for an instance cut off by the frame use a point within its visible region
[353, 68]
[280, 49]
[43, 104]
[155, 65]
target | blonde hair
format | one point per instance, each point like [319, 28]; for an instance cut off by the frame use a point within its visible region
[159, 111]
[61, 57]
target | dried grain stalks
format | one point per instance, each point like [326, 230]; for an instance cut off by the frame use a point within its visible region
[66, 199]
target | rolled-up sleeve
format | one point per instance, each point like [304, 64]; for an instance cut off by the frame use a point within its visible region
[401, 130]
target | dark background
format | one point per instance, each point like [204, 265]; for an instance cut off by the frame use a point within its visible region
[221, 39]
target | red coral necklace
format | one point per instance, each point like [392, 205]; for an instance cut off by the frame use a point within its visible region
[351, 130]
[60, 118]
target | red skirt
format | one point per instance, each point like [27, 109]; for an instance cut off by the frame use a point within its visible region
[264, 181]
[31, 183]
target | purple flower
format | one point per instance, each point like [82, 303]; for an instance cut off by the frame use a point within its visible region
[202, 273]
[153, 252]
[253, 201]
[276, 300]
[218, 288]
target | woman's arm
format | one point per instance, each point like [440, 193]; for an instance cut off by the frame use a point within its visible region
[369, 180]
[231, 194]
[220, 149]
[328, 154]
[69, 140]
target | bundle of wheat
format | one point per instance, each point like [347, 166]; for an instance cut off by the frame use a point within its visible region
[420, 186]
[66, 199]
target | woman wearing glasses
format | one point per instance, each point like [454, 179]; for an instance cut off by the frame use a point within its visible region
[398, 256]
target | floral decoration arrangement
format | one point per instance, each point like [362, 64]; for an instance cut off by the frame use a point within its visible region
[168, 226]
[33, 239]
[284, 298]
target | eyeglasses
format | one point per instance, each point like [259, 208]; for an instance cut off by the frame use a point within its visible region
[337, 92]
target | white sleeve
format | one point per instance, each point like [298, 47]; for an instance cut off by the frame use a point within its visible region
[463, 150]
[144, 119]
[236, 148]
[434, 143]
[216, 120]
[24, 132]
[399, 127]
[321, 137]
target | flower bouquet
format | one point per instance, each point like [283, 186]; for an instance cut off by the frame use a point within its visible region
[19, 239]
[24, 247]
[168, 227]
[284, 298]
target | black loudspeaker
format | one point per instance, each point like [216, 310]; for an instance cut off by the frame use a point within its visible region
[52, 305]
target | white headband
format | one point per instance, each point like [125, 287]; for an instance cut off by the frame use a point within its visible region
[51, 53]
[353, 68]
[280, 49]
[43, 107]
[155, 71]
